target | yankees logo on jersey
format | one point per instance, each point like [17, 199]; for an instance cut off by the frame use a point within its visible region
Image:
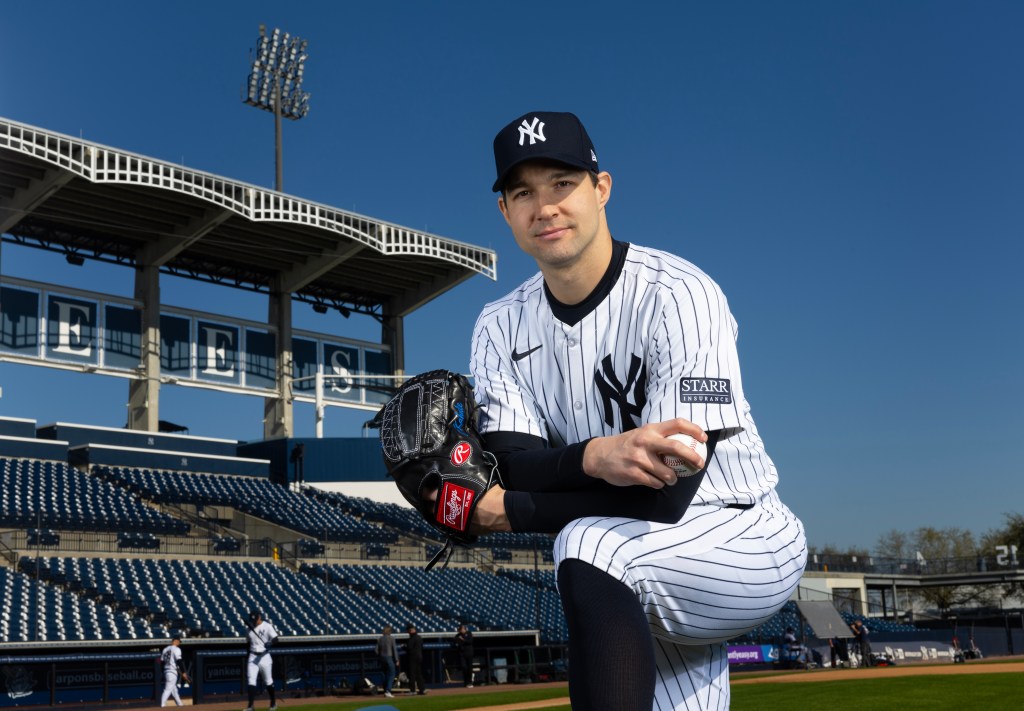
[615, 393]
[261, 637]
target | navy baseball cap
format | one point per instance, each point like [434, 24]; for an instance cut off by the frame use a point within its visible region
[551, 135]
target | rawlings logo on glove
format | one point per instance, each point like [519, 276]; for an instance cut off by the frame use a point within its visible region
[433, 451]
[456, 503]
[461, 453]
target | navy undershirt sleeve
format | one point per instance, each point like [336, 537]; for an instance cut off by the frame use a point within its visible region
[526, 462]
[547, 488]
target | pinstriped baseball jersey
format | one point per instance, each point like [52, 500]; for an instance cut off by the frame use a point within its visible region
[660, 344]
[260, 638]
[170, 657]
[654, 340]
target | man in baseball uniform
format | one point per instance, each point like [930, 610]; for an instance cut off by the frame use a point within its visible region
[582, 373]
[261, 638]
[170, 657]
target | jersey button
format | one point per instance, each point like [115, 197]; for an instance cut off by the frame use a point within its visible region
[572, 342]
[578, 405]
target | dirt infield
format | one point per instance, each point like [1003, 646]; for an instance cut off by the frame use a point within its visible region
[285, 702]
[542, 704]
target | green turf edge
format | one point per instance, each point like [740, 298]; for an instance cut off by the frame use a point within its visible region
[992, 692]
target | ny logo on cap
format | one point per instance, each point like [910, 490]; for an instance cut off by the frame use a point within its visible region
[534, 130]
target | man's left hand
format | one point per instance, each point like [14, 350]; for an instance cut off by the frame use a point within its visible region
[489, 515]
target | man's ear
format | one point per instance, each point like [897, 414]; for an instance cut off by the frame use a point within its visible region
[503, 208]
[603, 188]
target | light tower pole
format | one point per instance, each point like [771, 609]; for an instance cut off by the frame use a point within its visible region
[275, 84]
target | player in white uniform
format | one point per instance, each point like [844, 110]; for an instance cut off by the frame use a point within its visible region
[581, 373]
[170, 657]
[261, 638]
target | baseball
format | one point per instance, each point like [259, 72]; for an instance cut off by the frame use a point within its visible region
[681, 466]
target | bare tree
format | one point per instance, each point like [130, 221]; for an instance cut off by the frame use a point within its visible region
[938, 551]
[1004, 547]
[894, 544]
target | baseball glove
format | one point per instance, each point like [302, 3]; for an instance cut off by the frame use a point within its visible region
[430, 442]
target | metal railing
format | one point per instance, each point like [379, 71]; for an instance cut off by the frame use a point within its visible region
[873, 565]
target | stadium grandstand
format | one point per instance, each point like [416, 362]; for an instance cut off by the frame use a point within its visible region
[115, 540]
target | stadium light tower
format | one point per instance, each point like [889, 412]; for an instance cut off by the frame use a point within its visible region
[275, 84]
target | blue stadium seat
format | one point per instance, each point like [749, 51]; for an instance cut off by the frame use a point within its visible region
[258, 497]
[58, 496]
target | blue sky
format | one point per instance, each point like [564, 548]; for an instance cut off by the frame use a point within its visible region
[851, 173]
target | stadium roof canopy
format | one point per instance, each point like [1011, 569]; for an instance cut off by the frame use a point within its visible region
[90, 201]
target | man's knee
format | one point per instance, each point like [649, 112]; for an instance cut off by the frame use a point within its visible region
[578, 580]
[568, 574]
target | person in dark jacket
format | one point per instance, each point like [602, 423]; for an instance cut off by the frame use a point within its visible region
[860, 634]
[414, 661]
[464, 646]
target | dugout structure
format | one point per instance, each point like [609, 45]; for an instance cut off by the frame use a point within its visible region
[89, 201]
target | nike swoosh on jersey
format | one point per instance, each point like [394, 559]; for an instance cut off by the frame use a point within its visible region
[516, 356]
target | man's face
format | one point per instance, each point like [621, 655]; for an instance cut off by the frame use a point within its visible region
[555, 211]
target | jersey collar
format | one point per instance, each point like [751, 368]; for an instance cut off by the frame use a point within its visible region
[572, 314]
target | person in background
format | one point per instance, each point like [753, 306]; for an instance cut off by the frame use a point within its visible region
[261, 637]
[958, 654]
[464, 646]
[838, 652]
[860, 634]
[796, 652]
[414, 660]
[388, 653]
[170, 657]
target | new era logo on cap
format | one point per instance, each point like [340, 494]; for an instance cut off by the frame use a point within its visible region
[551, 135]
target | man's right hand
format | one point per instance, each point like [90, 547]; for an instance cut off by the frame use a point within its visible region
[635, 457]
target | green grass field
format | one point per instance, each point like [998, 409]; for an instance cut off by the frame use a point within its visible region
[968, 692]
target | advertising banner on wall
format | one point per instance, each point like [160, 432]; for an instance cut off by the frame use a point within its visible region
[81, 678]
[890, 652]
